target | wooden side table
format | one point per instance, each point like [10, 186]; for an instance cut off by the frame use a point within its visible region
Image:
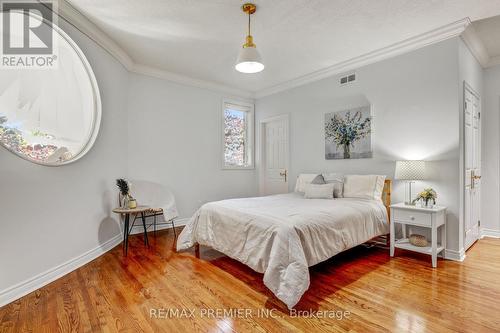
[126, 230]
[432, 218]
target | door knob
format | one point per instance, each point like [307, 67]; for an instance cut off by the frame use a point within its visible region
[283, 174]
[472, 178]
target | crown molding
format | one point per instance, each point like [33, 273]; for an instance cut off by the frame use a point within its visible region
[434, 36]
[88, 28]
[494, 61]
[79, 21]
[184, 80]
[74, 17]
[476, 46]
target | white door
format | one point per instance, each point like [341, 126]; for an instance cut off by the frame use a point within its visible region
[274, 155]
[472, 132]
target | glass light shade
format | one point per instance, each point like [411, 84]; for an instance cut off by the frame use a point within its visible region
[249, 61]
[410, 170]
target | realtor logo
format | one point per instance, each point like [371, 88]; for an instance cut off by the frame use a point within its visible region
[27, 34]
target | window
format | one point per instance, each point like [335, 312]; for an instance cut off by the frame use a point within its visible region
[237, 135]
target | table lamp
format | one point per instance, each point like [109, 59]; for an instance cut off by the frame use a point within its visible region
[409, 171]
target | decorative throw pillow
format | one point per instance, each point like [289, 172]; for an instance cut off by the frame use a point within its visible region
[338, 180]
[364, 186]
[303, 180]
[318, 180]
[319, 191]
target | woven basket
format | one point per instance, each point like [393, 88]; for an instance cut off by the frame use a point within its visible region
[418, 240]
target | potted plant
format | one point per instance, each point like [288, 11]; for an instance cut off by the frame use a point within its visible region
[427, 198]
[127, 200]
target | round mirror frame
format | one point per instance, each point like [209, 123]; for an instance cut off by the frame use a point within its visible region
[96, 102]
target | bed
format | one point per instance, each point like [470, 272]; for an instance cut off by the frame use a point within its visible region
[283, 235]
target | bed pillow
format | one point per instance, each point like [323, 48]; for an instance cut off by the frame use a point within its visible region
[338, 180]
[364, 186]
[318, 180]
[304, 179]
[319, 191]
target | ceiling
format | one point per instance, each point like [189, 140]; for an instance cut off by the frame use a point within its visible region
[200, 39]
[488, 31]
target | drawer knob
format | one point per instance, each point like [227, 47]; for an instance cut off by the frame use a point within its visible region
[412, 218]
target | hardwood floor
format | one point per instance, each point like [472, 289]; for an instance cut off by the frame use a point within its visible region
[404, 294]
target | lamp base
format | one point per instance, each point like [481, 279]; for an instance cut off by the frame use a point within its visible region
[408, 196]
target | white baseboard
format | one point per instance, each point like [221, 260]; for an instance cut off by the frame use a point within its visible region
[454, 255]
[490, 233]
[27, 286]
[460, 255]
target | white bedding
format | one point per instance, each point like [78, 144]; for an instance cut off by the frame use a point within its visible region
[282, 235]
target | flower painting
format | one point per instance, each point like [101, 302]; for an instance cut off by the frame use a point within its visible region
[348, 134]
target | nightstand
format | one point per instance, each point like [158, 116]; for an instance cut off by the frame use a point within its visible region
[432, 218]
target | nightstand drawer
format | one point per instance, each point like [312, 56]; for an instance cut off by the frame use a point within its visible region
[413, 217]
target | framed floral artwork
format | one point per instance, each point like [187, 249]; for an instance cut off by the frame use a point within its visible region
[348, 134]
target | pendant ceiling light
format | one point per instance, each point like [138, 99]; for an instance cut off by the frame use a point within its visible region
[249, 60]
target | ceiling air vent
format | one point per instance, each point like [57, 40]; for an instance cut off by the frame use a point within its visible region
[348, 78]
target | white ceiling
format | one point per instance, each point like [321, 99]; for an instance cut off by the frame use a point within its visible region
[488, 31]
[201, 38]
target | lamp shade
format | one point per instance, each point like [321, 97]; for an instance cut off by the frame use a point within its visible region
[410, 170]
[249, 61]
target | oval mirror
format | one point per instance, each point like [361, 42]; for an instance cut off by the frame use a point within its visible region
[50, 116]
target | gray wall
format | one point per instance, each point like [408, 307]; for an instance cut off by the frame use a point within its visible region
[51, 215]
[415, 116]
[490, 199]
[175, 140]
[470, 72]
[160, 131]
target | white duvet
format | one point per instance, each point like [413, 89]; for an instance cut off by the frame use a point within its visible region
[282, 235]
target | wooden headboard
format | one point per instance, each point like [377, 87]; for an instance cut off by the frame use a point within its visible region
[386, 197]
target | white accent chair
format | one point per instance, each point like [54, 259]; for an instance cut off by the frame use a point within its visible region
[159, 198]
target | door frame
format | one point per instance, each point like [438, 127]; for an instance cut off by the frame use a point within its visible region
[262, 148]
[467, 87]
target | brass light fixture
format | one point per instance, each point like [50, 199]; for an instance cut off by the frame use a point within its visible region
[249, 60]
